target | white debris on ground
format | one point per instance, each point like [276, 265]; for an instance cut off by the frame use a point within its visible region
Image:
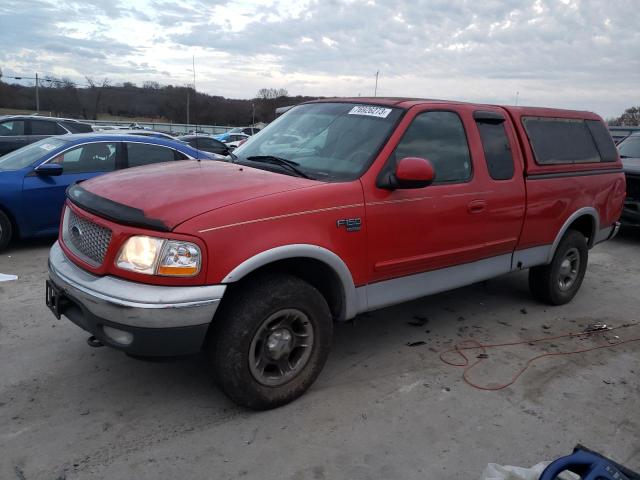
[509, 472]
[7, 278]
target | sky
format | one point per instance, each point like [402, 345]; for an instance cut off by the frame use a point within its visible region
[582, 54]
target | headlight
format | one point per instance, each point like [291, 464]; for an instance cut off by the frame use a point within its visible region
[139, 254]
[179, 259]
[156, 256]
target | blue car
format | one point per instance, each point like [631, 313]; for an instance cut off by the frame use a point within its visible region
[33, 179]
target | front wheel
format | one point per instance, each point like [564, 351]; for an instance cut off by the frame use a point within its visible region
[558, 282]
[271, 341]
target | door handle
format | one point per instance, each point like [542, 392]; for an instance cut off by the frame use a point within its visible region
[477, 206]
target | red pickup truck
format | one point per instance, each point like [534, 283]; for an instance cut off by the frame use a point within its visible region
[338, 207]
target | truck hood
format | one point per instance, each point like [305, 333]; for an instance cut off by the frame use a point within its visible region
[171, 193]
[631, 165]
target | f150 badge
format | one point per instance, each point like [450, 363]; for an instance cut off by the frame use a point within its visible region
[350, 224]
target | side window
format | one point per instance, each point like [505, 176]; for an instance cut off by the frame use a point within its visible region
[140, 154]
[497, 150]
[179, 155]
[42, 127]
[12, 127]
[560, 140]
[603, 140]
[440, 138]
[92, 157]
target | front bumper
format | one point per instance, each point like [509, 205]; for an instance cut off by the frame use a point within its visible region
[157, 320]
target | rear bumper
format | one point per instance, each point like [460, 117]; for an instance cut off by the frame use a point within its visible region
[607, 233]
[631, 212]
[158, 320]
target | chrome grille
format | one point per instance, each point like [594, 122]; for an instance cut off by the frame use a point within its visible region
[86, 239]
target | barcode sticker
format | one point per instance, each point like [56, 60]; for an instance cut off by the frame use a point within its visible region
[370, 111]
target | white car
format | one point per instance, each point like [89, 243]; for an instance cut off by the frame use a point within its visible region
[235, 139]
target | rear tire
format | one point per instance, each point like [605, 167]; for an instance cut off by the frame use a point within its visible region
[6, 230]
[271, 341]
[558, 282]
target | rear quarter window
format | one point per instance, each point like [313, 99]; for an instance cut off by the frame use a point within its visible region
[561, 140]
[604, 142]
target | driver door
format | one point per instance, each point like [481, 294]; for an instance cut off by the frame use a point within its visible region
[44, 196]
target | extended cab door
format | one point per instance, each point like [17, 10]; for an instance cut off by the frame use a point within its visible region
[464, 216]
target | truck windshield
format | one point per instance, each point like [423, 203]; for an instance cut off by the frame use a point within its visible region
[327, 141]
[25, 156]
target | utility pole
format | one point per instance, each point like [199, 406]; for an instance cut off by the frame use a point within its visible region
[253, 114]
[37, 95]
[375, 92]
[187, 105]
[195, 94]
[517, 95]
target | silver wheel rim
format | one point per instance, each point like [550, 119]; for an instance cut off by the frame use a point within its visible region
[569, 268]
[281, 347]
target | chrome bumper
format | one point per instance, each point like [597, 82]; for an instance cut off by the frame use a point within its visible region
[134, 304]
[607, 233]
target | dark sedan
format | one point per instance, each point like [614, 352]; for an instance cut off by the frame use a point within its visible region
[208, 144]
[629, 150]
[16, 131]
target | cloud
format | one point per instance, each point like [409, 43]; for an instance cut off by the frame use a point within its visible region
[572, 53]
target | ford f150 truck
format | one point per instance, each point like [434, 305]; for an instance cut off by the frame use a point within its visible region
[338, 207]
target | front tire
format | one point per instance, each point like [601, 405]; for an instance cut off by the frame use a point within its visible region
[271, 341]
[6, 230]
[558, 282]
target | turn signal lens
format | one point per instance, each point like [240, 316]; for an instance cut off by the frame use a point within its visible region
[139, 254]
[180, 259]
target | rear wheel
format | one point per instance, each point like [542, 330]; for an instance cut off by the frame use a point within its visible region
[271, 341]
[6, 230]
[558, 282]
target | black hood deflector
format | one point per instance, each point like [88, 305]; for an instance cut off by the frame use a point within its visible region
[114, 211]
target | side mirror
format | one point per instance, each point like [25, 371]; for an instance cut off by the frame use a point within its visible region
[410, 172]
[49, 170]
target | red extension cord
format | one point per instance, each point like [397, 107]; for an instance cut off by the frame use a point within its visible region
[465, 345]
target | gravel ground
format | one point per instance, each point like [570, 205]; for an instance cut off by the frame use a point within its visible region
[380, 409]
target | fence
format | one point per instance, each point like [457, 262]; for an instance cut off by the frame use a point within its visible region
[173, 128]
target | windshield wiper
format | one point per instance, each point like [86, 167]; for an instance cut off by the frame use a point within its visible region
[282, 162]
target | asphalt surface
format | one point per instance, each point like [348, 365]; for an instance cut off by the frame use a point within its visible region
[381, 409]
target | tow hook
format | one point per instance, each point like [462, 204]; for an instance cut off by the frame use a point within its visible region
[92, 341]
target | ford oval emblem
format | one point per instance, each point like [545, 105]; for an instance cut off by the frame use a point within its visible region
[76, 233]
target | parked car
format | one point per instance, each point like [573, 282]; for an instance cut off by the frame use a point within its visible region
[620, 133]
[377, 202]
[235, 140]
[16, 131]
[34, 178]
[223, 137]
[144, 133]
[206, 143]
[629, 150]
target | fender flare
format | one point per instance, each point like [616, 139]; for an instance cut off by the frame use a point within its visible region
[589, 211]
[302, 250]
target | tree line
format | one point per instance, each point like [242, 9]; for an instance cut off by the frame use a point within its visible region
[629, 118]
[169, 103]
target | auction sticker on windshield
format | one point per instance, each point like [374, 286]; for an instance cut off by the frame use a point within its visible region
[47, 146]
[370, 111]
